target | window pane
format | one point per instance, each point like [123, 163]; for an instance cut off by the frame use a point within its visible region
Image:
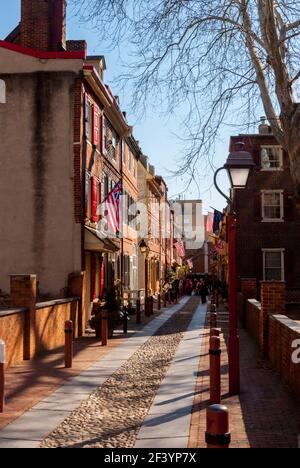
[273, 274]
[272, 205]
[270, 158]
[273, 259]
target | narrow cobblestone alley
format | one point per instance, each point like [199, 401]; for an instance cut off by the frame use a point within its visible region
[112, 416]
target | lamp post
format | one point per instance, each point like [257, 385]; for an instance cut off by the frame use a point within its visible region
[145, 251]
[238, 165]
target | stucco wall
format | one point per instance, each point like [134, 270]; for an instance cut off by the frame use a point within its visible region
[38, 233]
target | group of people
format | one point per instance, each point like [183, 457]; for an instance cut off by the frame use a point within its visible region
[197, 287]
[190, 286]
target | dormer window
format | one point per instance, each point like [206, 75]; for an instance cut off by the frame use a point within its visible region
[271, 158]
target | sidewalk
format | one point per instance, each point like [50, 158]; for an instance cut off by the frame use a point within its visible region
[265, 415]
[30, 382]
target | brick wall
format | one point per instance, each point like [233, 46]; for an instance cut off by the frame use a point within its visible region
[50, 324]
[273, 299]
[254, 320]
[49, 328]
[43, 24]
[282, 333]
[11, 332]
[248, 291]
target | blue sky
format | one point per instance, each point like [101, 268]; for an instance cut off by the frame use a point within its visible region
[155, 132]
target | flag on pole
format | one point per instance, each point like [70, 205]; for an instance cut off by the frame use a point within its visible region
[180, 249]
[112, 208]
[210, 223]
[218, 218]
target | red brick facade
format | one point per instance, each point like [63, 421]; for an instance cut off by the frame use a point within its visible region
[254, 234]
[43, 24]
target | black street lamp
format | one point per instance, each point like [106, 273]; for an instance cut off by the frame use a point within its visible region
[238, 165]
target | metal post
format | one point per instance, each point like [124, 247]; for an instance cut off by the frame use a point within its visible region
[215, 332]
[68, 344]
[104, 327]
[125, 322]
[213, 320]
[233, 341]
[165, 300]
[138, 311]
[217, 434]
[2, 376]
[159, 302]
[215, 370]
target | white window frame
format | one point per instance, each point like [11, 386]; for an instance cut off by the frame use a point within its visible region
[282, 251]
[268, 169]
[272, 220]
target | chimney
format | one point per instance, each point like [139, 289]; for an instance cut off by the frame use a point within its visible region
[264, 128]
[43, 24]
[152, 170]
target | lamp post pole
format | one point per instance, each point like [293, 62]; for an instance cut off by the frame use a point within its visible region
[234, 340]
[239, 164]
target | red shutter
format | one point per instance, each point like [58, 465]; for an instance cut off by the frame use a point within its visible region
[96, 125]
[93, 277]
[103, 135]
[102, 276]
[95, 195]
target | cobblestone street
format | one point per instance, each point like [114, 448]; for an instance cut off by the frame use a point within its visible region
[113, 415]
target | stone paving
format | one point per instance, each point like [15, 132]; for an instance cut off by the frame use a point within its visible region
[112, 416]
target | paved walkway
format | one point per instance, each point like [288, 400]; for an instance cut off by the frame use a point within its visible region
[31, 428]
[265, 415]
[168, 422]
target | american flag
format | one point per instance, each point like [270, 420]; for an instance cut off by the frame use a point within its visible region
[112, 208]
[180, 249]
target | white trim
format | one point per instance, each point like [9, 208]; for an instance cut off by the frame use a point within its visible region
[268, 169]
[282, 251]
[272, 220]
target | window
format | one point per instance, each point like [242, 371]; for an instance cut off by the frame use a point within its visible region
[272, 206]
[273, 265]
[271, 158]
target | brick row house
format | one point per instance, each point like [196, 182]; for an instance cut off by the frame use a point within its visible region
[65, 145]
[268, 223]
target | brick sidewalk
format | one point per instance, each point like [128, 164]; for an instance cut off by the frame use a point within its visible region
[30, 382]
[265, 415]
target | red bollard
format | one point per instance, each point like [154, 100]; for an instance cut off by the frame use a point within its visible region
[217, 435]
[2, 376]
[215, 370]
[104, 327]
[159, 302]
[213, 320]
[138, 311]
[68, 344]
[215, 332]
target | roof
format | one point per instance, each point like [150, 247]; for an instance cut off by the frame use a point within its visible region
[40, 54]
[14, 34]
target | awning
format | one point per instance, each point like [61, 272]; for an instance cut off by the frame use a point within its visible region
[94, 242]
